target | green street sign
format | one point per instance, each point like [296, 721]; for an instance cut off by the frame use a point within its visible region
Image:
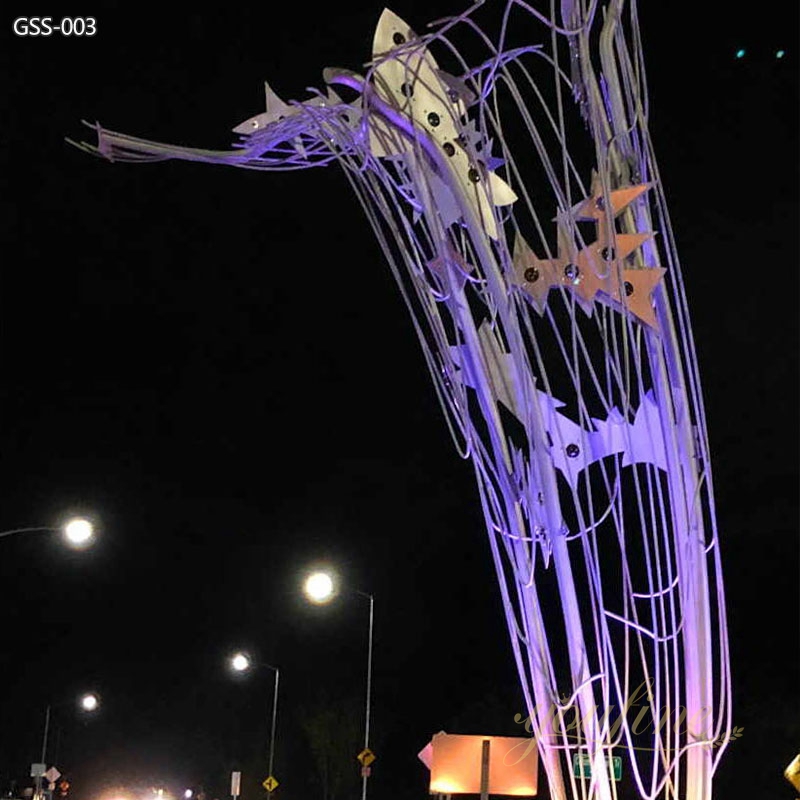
[582, 765]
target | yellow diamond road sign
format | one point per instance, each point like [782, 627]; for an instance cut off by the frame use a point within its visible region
[792, 772]
[366, 757]
[270, 784]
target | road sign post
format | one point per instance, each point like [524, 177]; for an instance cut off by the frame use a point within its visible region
[236, 784]
[485, 745]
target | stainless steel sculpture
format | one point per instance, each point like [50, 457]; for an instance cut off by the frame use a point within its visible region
[516, 197]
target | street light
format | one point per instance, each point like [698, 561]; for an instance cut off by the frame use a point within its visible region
[78, 532]
[88, 702]
[241, 662]
[320, 587]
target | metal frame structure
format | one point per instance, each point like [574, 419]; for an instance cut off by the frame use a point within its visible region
[516, 197]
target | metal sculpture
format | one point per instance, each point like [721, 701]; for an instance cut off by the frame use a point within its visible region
[517, 200]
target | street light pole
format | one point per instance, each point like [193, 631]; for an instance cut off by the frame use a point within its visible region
[89, 703]
[321, 587]
[241, 662]
[24, 530]
[78, 532]
[274, 720]
[364, 774]
[44, 752]
[46, 732]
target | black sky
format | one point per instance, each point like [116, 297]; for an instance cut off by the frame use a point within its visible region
[217, 366]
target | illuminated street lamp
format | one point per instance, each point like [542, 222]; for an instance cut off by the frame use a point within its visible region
[88, 702]
[320, 587]
[241, 662]
[78, 532]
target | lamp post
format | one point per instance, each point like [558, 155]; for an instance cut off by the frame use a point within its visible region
[88, 702]
[320, 588]
[241, 663]
[78, 531]
[368, 704]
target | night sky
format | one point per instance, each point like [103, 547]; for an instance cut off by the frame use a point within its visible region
[217, 367]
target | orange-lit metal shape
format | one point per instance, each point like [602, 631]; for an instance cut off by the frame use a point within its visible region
[455, 764]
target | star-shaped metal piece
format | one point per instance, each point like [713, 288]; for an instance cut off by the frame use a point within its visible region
[593, 273]
[594, 207]
[597, 264]
[635, 292]
[534, 275]
[602, 277]
[596, 272]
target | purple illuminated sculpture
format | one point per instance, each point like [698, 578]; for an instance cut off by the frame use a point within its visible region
[516, 198]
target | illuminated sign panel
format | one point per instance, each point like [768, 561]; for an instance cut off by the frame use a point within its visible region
[455, 764]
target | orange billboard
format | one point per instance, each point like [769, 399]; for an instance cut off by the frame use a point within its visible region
[455, 763]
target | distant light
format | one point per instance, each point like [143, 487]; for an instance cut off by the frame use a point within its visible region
[79, 532]
[240, 663]
[319, 587]
[188, 793]
[90, 702]
[740, 53]
[119, 793]
[780, 54]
